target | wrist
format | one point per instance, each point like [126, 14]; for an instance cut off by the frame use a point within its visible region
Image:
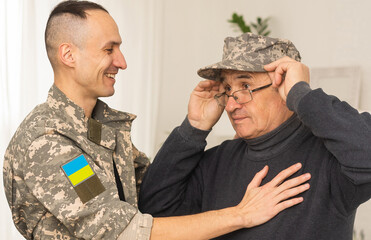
[200, 125]
[191, 133]
[296, 93]
[235, 218]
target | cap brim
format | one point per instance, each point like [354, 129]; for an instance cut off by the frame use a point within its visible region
[213, 71]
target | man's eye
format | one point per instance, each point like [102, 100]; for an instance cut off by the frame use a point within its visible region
[227, 89]
[245, 86]
[109, 50]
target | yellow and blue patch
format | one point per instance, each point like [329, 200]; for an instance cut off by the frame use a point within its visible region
[78, 170]
[83, 179]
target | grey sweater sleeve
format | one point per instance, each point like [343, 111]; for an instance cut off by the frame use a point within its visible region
[172, 172]
[345, 132]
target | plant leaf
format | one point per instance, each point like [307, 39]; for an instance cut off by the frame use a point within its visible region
[263, 28]
[240, 22]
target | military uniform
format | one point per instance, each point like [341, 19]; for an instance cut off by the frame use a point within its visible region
[59, 173]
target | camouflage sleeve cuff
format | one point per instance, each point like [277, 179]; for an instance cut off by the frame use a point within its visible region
[297, 92]
[139, 228]
[191, 133]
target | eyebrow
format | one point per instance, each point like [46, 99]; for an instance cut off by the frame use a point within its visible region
[112, 43]
[244, 76]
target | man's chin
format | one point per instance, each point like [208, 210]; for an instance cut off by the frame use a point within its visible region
[242, 132]
[108, 93]
[243, 135]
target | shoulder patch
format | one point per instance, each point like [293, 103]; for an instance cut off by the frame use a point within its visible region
[83, 179]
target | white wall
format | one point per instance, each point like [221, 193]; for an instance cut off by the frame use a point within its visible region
[328, 33]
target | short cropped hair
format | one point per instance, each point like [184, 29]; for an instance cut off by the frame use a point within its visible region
[66, 22]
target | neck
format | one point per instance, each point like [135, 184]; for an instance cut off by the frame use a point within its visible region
[276, 142]
[77, 95]
[288, 114]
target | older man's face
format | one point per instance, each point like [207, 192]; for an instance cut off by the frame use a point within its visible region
[265, 112]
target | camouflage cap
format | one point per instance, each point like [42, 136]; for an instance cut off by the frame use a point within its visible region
[250, 52]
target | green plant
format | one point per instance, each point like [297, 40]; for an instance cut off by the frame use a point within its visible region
[259, 27]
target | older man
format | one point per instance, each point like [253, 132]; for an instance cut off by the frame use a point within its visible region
[278, 119]
[71, 170]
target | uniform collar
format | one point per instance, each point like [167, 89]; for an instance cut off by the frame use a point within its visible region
[100, 129]
[105, 114]
[59, 102]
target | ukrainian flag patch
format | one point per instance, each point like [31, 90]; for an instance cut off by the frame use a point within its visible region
[78, 170]
[82, 177]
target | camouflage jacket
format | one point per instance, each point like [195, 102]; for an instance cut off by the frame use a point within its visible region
[59, 178]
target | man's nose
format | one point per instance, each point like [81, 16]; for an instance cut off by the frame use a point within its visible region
[119, 61]
[232, 104]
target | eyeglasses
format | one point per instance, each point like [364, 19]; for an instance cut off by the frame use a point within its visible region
[240, 96]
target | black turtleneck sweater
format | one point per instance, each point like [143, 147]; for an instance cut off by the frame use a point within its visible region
[330, 139]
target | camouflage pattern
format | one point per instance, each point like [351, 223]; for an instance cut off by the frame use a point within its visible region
[43, 202]
[249, 52]
[140, 228]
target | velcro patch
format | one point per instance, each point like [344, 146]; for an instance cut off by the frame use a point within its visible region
[83, 179]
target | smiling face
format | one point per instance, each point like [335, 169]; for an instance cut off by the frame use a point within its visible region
[265, 112]
[100, 58]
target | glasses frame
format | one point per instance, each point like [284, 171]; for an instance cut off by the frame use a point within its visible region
[219, 95]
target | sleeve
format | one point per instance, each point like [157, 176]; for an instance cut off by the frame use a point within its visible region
[173, 183]
[346, 133]
[102, 216]
[139, 228]
[141, 164]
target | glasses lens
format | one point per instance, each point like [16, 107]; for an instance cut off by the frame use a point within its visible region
[243, 96]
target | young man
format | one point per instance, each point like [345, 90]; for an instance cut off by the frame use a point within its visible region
[71, 170]
[278, 119]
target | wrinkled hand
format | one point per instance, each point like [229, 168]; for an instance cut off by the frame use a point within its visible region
[203, 109]
[260, 204]
[285, 73]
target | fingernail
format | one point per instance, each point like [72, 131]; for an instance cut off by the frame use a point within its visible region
[298, 165]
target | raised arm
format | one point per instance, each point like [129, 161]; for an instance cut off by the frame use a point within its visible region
[346, 133]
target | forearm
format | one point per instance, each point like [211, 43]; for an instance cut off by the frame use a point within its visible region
[345, 132]
[199, 226]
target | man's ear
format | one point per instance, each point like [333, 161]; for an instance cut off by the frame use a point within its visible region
[66, 54]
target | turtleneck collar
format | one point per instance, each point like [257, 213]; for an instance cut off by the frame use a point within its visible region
[275, 142]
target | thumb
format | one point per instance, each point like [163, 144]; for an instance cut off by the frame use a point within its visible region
[258, 178]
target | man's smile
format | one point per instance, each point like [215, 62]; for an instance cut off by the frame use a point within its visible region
[110, 75]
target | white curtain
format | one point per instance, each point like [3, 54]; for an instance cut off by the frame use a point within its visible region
[26, 74]
[10, 42]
